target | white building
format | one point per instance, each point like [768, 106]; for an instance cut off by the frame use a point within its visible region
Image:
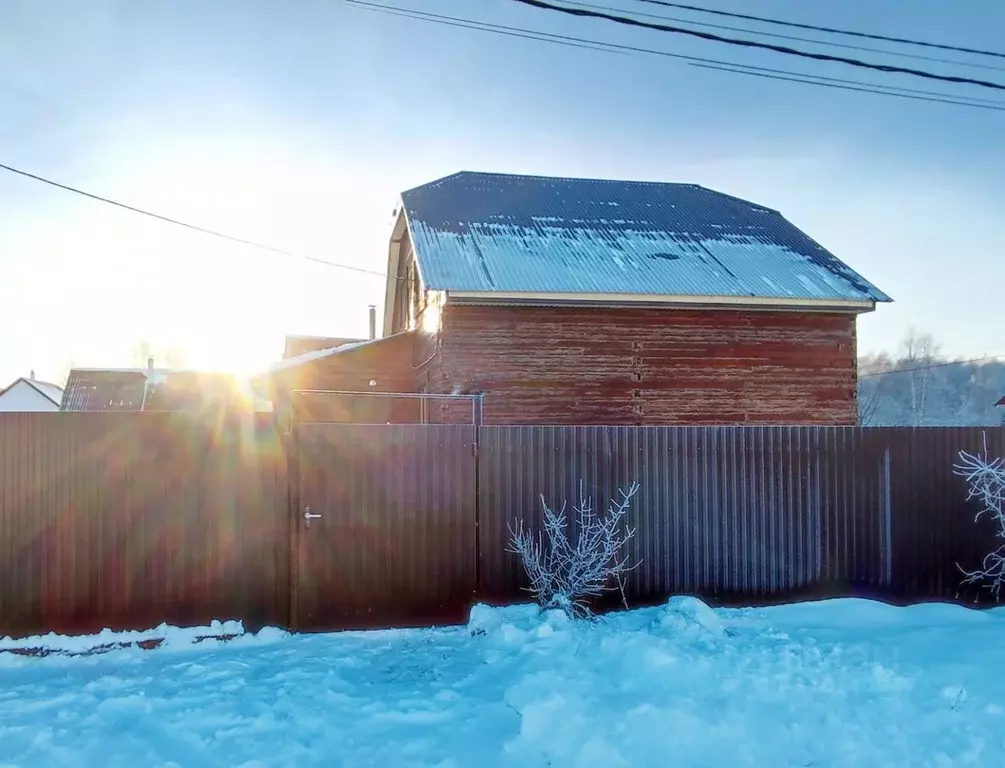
[30, 395]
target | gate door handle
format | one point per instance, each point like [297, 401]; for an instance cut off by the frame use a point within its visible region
[308, 516]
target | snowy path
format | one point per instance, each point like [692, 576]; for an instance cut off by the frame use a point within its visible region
[842, 683]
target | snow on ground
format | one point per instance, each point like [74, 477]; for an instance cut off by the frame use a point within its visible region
[835, 683]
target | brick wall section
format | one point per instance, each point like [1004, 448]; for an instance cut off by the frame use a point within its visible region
[388, 364]
[651, 366]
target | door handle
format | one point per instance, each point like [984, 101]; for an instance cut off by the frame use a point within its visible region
[308, 516]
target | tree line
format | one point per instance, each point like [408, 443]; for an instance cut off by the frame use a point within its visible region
[919, 386]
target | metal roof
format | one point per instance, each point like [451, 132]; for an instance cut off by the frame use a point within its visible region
[490, 232]
[338, 349]
[51, 392]
[136, 389]
[93, 390]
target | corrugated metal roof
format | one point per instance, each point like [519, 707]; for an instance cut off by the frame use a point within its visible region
[504, 233]
[298, 345]
[93, 390]
[148, 390]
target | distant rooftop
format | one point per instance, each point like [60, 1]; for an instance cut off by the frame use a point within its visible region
[51, 392]
[490, 232]
[145, 389]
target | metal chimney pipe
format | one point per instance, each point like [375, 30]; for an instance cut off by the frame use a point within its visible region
[373, 321]
[150, 363]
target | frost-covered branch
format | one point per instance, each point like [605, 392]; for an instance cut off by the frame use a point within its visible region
[563, 573]
[985, 478]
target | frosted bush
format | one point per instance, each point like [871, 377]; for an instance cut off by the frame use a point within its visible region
[985, 477]
[565, 571]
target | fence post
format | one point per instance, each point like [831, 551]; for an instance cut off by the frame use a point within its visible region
[292, 445]
[476, 427]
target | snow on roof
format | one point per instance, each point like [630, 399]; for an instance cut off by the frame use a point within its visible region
[320, 354]
[490, 232]
[51, 391]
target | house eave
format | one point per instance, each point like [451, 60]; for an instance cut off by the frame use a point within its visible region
[393, 259]
[661, 301]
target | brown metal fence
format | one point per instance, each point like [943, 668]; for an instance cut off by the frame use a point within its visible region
[746, 514]
[127, 520]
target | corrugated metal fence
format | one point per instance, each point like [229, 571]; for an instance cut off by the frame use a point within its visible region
[750, 513]
[127, 520]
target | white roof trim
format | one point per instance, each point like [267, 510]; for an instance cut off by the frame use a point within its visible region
[393, 257]
[641, 299]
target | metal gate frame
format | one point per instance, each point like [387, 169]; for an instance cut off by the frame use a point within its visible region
[295, 505]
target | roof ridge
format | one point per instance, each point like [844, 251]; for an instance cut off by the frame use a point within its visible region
[547, 177]
[595, 180]
[34, 385]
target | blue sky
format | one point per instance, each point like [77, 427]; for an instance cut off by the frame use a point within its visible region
[297, 124]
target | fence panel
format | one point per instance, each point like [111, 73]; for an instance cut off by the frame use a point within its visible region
[934, 534]
[127, 520]
[733, 513]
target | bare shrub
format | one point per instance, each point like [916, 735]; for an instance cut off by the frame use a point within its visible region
[985, 477]
[563, 573]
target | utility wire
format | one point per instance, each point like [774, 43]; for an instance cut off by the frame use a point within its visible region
[193, 227]
[823, 83]
[722, 65]
[829, 30]
[933, 366]
[461, 23]
[796, 38]
[783, 49]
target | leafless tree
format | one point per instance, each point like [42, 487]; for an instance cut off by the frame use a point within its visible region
[869, 400]
[918, 350]
[985, 478]
[564, 574]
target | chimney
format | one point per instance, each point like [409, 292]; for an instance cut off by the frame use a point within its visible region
[150, 364]
[32, 374]
[373, 322]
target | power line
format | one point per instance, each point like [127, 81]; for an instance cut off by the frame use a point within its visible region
[984, 359]
[461, 23]
[193, 227]
[829, 30]
[797, 38]
[783, 49]
[822, 82]
[723, 65]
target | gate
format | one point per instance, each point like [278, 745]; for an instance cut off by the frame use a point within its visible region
[384, 525]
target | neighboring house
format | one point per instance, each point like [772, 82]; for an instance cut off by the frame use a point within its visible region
[150, 389]
[30, 395]
[577, 301]
[364, 367]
